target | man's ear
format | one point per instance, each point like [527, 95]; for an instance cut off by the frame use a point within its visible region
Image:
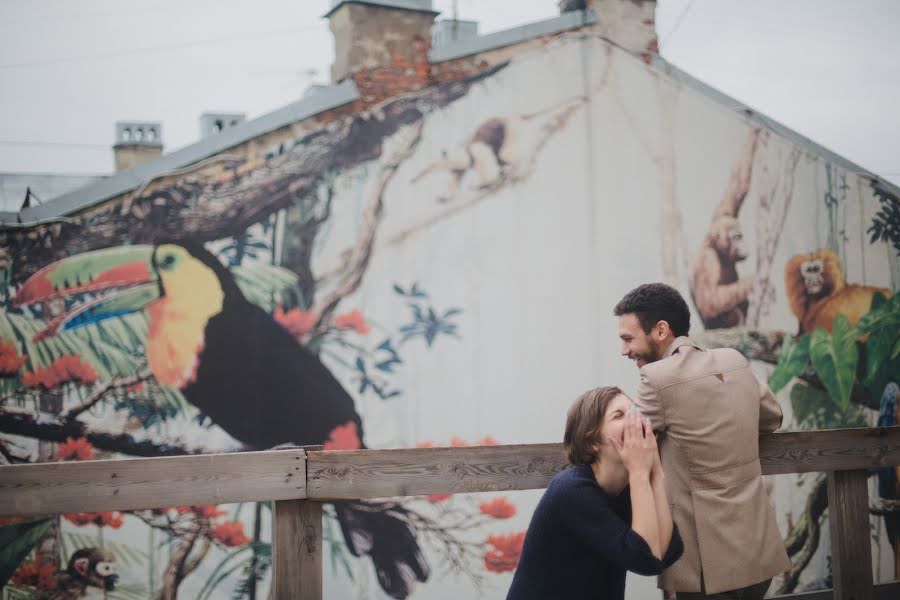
[662, 330]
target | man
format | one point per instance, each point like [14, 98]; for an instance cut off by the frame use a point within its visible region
[709, 408]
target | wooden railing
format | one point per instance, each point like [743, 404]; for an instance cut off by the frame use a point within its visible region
[298, 480]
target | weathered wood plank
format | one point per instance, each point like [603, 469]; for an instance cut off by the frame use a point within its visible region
[297, 550]
[153, 482]
[411, 472]
[829, 450]
[382, 473]
[286, 548]
[851, 550]
[100, 485]
[885, 591]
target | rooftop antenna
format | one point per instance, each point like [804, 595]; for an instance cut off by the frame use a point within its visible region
[455, 18]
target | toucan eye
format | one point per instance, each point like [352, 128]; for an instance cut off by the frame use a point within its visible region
[168, 260]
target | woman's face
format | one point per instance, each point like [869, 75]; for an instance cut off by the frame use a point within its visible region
[614, 421]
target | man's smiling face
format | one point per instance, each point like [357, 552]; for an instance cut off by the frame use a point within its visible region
[637, 344]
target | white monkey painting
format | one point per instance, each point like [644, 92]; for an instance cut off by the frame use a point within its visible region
[500, 150]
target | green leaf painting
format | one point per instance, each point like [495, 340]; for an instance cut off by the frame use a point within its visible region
[834, 358]
[793, 358]
[16, 541]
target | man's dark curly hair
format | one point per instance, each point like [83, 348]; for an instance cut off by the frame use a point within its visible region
[655, 302]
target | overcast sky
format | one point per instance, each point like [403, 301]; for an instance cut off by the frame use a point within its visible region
[69, 69]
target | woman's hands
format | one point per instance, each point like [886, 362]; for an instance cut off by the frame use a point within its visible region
[638, 446]
[639, 455]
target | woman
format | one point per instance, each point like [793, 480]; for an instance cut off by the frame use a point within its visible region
[606, 514]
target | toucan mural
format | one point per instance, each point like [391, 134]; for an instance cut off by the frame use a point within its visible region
[235, 363]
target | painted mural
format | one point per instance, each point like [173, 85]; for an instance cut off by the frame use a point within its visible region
[439, 270]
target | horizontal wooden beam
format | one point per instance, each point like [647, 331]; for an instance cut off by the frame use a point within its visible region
[415, 471]
[92, 486]
[829, 450]
[100, 485]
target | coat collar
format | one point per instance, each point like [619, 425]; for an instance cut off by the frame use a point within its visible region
[679, 342]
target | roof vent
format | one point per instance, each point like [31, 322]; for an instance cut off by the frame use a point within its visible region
[212, 123]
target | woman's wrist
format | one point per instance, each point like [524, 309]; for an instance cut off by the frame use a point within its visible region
[639, 475]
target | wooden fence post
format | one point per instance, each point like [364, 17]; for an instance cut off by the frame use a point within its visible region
[851, 548]
[297, 550]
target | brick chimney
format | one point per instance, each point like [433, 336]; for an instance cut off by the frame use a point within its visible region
[382, 44]
[136, 143]
[629, 23]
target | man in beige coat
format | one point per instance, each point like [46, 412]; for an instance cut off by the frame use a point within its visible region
[709, 408]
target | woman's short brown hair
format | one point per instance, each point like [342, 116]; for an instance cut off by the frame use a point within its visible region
[583, 424]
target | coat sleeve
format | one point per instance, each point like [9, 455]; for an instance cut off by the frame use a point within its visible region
[648, 399]
[587, 516]
[770, 415]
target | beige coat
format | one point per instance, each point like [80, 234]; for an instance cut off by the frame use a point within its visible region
[710, 409]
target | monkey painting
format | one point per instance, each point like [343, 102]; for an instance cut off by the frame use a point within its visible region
[501, 147]
[818, 292]
[719, 295]
[91, 573]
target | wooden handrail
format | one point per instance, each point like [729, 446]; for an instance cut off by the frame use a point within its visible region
[298, 479]
[90, 486]
[100, 485]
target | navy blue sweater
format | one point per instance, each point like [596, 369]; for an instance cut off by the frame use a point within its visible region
[580, 543]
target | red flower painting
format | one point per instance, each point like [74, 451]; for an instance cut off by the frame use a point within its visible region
[499, 508]
[343, 437]
[297, 322]
[437, 498]
[65, 369]
[352, 320]
[35, 574]
[75, 449]
[504, 556]
[230, 533]
[111, 519]
[10, 360]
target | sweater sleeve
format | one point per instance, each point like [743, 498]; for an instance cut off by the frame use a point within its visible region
[586, 515]
[675, 549]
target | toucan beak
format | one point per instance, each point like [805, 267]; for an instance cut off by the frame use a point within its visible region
[128, 270]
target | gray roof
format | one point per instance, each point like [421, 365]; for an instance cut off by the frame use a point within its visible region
[345, 92]
[508, 37]
[322, 100]
[44, 187]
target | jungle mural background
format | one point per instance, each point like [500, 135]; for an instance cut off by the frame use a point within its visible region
[439, 271]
